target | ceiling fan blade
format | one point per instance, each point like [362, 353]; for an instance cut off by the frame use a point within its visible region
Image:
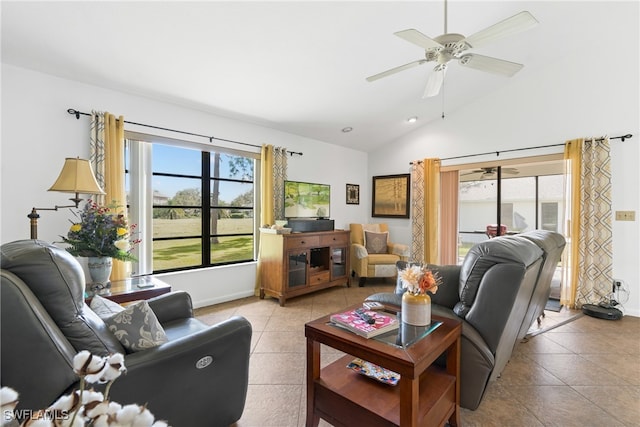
[434, 82]
[419, 39]
[396, 70]
[489, 64]
[513, 25]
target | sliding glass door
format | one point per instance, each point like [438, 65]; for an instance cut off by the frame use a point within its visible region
[477, 201]
[519, 198]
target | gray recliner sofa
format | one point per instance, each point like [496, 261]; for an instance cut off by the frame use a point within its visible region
[552, 245]
[45, 322]
[489, 293]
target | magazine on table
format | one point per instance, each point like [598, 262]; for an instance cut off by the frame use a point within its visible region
[383, 322]
[374, 371]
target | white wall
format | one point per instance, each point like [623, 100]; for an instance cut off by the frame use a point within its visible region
[581, 95]
[38, 133]
[575, 97]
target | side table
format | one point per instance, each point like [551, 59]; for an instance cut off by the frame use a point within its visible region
[134, 289]
[426, 395]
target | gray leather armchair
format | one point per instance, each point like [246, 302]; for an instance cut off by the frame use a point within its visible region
[489, 293]
[45, 322]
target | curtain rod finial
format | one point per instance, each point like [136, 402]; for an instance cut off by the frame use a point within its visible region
[74, 112]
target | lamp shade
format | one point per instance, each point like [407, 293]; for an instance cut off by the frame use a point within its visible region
[77, 177]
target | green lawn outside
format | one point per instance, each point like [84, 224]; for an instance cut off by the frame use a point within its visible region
[187, 252]
[191, 226]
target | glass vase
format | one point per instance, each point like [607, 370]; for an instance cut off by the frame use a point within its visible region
[416, 309]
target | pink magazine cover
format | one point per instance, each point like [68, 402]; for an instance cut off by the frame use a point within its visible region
[349, 319]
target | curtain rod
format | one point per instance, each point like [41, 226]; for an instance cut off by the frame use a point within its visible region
[497, 153]
[210, 138]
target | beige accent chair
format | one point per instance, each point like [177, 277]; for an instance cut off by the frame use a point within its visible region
[377, 256]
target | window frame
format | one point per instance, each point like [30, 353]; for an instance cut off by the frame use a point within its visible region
[141, 204]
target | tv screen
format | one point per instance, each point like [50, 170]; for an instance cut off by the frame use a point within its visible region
[306, 200]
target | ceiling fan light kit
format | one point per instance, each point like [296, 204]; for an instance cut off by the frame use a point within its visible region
[446, 47]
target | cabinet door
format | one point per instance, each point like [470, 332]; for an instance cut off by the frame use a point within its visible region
[338, 263]
[297, 268]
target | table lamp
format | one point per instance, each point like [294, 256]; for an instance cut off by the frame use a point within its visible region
[76, 177]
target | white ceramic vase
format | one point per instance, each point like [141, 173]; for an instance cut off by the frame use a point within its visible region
[100, 269]
[416, 309]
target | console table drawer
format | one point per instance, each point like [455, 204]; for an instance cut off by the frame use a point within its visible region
[337, 239]
[322, 277]
[296, 242]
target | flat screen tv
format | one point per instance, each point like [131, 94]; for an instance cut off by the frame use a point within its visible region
[306, 200]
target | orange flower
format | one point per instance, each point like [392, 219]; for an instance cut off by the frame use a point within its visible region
[419, 280]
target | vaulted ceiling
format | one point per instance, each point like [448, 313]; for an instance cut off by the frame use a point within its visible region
[299, 67]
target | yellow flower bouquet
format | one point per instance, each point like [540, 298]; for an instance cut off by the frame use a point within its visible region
[101, 232]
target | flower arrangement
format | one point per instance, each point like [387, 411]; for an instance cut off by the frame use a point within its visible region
[418, 280]
[101, 232]
[84, 407]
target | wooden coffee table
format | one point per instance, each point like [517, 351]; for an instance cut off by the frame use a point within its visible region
[426, 395]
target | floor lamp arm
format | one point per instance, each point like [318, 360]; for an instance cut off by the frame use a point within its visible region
[33, 216]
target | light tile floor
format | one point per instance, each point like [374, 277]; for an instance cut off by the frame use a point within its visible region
[585, 372]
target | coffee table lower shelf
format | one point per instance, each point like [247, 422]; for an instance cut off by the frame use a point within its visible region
[344, 397]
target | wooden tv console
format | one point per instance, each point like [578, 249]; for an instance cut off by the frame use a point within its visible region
[298, 263]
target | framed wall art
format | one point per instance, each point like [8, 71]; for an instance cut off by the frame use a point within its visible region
[353, 194]
[391, 196]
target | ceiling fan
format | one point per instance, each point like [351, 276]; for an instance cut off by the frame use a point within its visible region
[448, 46]
[489, 172]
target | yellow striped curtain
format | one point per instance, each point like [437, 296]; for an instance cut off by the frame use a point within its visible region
[417, 211]
[589, 254]
[431, 210]
[107, 159]
[273, 173]
[266, 185]
[425, 208]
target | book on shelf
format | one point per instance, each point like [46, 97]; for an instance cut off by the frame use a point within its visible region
[384, 322]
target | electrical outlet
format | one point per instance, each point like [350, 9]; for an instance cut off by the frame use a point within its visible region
[625, 215]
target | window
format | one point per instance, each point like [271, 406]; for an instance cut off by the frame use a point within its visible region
[200, 204]
[529, 195]
[506, 214]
